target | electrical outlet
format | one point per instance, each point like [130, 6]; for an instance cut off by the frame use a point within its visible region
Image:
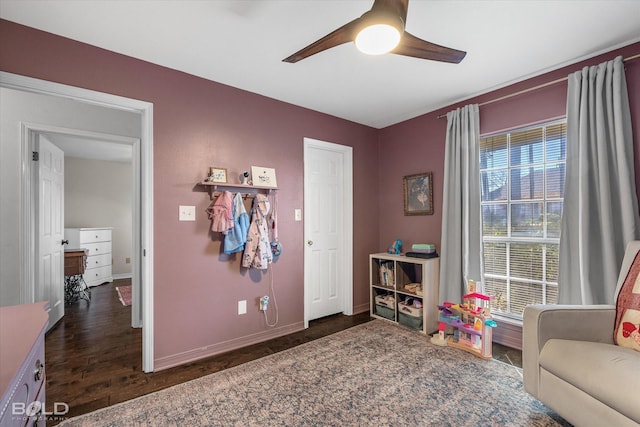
[297, 214]
[187, 213]
[264, 303]
[242, 307]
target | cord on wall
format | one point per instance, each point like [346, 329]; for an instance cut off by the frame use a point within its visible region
[272, 294]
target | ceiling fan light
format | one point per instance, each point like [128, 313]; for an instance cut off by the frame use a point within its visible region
[377, 39]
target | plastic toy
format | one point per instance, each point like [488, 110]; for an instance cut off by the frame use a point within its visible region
[439, 338]
[395, 247]
[471, 323]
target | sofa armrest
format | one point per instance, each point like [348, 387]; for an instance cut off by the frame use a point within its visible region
[541, 323]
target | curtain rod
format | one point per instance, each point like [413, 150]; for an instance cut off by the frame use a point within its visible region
[531, 89]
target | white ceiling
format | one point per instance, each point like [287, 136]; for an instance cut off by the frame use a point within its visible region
[241, 43]
[90, 148]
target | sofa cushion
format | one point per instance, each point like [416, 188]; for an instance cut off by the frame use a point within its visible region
[627, 327]
[608, 373]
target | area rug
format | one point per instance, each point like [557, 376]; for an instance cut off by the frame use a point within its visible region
[374, 374]
[124, 294]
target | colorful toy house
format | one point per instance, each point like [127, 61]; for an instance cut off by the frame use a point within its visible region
[471, 322]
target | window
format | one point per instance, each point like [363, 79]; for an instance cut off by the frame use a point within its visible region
[522, 175]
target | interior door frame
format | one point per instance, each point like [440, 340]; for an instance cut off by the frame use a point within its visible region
[347, 218]
[143, 213]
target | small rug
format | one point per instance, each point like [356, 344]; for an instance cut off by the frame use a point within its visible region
[124, 294]
[374, 374]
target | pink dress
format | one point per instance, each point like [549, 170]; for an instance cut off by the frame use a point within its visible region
[221, 212]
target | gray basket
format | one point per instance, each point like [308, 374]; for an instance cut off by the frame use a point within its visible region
[386, 312]
[410, 321]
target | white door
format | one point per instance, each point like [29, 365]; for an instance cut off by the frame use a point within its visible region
[49, 283]
[327, 203]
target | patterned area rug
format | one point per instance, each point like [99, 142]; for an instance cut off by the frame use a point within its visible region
[375, 374]
[124, 294]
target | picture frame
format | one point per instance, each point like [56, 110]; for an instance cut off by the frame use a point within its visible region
[418, 194]
[217, 174]
[263, 177]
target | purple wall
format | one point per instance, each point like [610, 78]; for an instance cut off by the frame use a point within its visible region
[197, 124]
[417, 145]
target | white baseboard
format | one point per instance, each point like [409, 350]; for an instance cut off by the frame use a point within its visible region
[361, 308]
[211, 350]
[122, 276]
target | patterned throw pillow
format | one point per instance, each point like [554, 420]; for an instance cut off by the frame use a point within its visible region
[627, 328]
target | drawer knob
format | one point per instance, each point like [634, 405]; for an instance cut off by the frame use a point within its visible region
[37, 374]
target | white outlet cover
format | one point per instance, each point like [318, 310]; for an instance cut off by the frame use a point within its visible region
[297, 214]
[186, 213]
[242, 307]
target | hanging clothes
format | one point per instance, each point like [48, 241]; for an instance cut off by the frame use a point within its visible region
[236, 237]
[221, 212]
[257, 250]
[276, 246]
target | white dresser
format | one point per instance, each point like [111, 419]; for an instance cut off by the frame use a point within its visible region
[97, 241]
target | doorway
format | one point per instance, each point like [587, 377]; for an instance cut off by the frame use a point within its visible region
[328, 229]
[143, 208]
[99, 195]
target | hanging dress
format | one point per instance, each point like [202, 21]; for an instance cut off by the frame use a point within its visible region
[221, 212]
[236, 237]
[257, 250]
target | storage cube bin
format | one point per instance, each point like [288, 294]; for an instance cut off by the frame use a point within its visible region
[386, 312]
[410, 316]
[386, 301]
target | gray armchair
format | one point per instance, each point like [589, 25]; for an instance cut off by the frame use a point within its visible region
[571, 364]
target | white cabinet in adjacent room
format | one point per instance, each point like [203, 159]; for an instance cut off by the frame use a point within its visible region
[97, 242]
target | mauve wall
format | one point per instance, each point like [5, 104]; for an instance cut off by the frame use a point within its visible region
[418, 145]
[197, 124]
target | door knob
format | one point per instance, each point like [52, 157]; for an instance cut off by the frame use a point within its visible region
[65, 242]
[310, 242]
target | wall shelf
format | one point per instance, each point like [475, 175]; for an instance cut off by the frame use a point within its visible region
[214, 187]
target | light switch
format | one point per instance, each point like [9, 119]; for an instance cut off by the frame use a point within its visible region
[187, 213]
[297, 214]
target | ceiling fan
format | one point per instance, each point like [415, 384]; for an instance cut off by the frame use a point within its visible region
[384, 24]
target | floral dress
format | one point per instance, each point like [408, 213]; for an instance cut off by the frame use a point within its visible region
[257, 250]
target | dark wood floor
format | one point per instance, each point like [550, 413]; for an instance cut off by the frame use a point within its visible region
[94, 357]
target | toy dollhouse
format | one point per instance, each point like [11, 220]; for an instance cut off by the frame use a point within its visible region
[470, 322]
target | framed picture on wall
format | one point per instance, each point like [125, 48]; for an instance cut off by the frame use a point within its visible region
[263, 177]
[418, 194]
[217, 174]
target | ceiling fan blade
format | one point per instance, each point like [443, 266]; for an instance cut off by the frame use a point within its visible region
[342, 35]
[411, 45]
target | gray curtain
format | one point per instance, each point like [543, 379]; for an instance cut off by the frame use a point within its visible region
[600, 214]
[461, 245]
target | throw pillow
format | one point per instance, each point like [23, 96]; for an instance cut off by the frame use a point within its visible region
[627, 327]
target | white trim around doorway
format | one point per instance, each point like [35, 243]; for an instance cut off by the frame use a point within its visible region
[145, 209]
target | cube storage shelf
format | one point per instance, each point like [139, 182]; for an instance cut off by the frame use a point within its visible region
[404, 290]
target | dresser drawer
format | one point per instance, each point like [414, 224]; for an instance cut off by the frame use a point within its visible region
[96, 261]
[28, 396]
[22, 364]
[92, 236]
[97, 276]
[97, 248]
